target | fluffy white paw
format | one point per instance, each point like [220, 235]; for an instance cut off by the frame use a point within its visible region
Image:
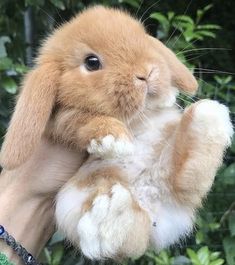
[212, 120]
[103, 230]
[109, 147]
[69, 203]
[88, 227]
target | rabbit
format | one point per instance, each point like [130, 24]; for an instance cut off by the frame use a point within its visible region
[108, 89]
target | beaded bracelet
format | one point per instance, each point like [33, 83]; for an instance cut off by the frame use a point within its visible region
[27, 258]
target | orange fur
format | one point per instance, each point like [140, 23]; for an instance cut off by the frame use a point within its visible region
[189, 183]
[72, 106]
[31, 115]
[101, 181]
[114, 92]
[133, 198]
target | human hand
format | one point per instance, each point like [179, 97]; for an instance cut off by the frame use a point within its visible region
[27, 195]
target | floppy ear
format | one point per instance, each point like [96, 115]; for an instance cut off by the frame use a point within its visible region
[31, 115]
[182, 78]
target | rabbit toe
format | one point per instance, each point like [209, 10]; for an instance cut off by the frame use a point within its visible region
[110, 147]
[212, 119]
[104, 229]
[88, 227]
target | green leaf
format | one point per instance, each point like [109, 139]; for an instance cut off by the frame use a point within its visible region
[150, 254]
[9, 84]
[199, 237]
[47, 255]
[209, 26]
[199, 15]
[160, 18]
[184, 18]
[182, 26]
[34, 2]
[223, 80]
[218, 79]
[233, 145]
[229, 247]
[229, 175]
[193, 256]
[5, 63]
[134, 3]
[201, 12]
[228, 79]
[231, 223]
[203, 255]
[217, 262]
[58, 3]
[190, 35]
[181, 260]
[214, 226]
[3, 41]
[159, 261]
[208, 7]
[214, 255]
[170, 15]
[164, 24]
[207, 33]
[21, 68]
[164, 256]
[57, 254]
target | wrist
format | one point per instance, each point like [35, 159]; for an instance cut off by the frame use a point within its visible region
[30, 220]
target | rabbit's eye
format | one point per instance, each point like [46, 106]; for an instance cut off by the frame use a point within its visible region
[92, 63]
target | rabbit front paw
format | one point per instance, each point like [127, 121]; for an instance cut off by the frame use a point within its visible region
[211, 120]
[110, 147]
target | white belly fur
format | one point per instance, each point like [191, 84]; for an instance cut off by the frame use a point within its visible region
[149, 186]
[170, 221]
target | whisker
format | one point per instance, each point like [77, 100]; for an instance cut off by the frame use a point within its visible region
[196, 57]
[130, 131]
[49, 16]
[172, 34]
[141, 119]
[190, 44]
[184, 99]
[126, 122]
[202, 80]
[187, 95]
[144, 119]
[207, 70]
[136, 14]
[195, 53]
[178, 105]
[202, 49]
[146, 26]
[145, 12]
[215, 87]
[62, 19]
[169, 144]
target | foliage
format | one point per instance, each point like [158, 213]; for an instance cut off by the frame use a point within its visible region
[184, 32]
[190, 29]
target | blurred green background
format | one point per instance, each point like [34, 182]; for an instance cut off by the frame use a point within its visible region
[202, 34]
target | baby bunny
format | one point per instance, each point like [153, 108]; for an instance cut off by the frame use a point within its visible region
[89, 82]
[108, 89]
